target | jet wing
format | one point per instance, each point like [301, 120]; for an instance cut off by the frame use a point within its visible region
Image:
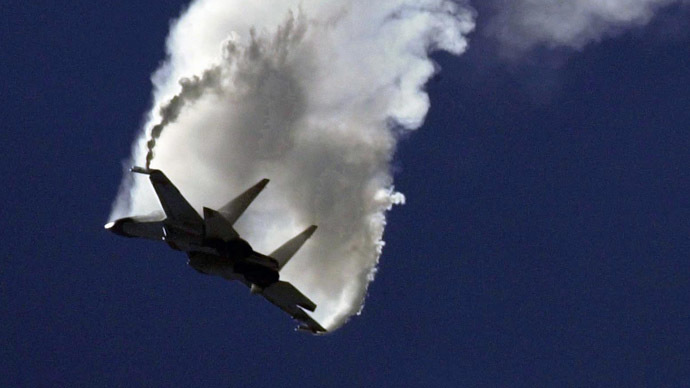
[234, 209]
[292, 301]
[173, 202]
[283, 254]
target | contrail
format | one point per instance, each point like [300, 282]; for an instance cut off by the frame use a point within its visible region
[310, 94]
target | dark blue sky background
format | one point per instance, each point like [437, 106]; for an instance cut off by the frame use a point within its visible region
[544, 241]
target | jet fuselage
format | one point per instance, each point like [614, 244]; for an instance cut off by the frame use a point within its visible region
[232, 260]
[214, 247]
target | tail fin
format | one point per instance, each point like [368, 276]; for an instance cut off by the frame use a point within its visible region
[234, 209]
[217, 226]
[283, 254]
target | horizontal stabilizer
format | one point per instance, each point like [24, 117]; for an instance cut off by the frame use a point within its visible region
[283, 254]
[284, 294]
[216, 226]
[293, 302]
[234, 209]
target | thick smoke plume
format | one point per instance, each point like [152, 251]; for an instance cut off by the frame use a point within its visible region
[310, 94]
[523, 24]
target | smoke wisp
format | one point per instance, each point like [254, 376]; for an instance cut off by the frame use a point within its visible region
[311, 95]
[523, 24]
[192, 89]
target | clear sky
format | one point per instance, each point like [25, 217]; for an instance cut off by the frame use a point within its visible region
[544, 241]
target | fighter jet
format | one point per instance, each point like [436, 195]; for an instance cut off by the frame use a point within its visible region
[215, 248]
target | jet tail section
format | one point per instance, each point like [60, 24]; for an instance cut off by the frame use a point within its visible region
[292, 301]
[285, 295]
[283, 254]
[234, 209]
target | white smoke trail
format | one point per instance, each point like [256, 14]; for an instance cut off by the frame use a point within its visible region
[309, 94]
[523, 24]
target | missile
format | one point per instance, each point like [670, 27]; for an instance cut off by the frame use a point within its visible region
[140, 170]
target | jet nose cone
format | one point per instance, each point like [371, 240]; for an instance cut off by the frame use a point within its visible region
[118, 227]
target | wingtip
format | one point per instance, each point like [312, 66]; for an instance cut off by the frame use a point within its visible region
[140, 170]
[262, 184]
[312, 330]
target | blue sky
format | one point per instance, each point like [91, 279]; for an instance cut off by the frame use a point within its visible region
[543, 243]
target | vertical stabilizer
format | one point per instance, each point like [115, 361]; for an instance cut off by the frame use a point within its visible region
[283, 254]
[216, 226]
[234, 209]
